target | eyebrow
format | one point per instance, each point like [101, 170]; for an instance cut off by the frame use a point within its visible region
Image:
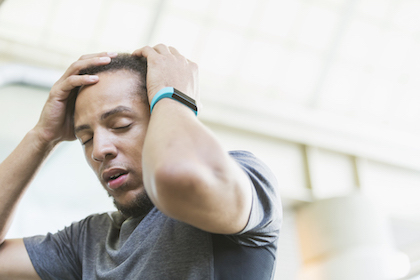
[114, 111]
[104, 116]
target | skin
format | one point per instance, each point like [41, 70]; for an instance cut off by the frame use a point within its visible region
[112, 130]
[170, 154]
[20, 167]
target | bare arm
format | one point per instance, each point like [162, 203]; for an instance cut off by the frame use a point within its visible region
[15, 262]
[186, 172]
[19, 168]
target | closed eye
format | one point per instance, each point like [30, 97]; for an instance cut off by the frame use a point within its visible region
[87, 141]
[123, 127]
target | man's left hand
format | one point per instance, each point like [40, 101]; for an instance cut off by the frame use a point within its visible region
[166, 67]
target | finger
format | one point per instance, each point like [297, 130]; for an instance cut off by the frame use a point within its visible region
[174, 51]
[78, 65]
[144, 52]
[77, 81]
[162, 49]
[90, 60]
[101, 54]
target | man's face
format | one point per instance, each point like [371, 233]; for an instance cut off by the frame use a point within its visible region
[111, 122]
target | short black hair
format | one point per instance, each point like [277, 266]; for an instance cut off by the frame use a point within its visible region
[123, 61]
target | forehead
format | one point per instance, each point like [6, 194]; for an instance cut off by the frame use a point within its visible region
[116, 88]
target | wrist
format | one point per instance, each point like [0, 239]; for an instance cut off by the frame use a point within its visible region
[174, 94]
[40, 140]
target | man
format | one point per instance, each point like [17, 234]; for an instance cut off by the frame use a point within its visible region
[187, 209]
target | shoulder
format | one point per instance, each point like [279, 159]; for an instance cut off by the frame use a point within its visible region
[266, 212]
[258, 172]
[251, 163]
[92, 224]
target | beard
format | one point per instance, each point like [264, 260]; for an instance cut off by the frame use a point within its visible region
[140, 206]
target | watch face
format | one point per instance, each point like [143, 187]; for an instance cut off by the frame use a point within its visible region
[188, 101]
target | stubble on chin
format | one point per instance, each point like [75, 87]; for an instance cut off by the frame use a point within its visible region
[139, 206]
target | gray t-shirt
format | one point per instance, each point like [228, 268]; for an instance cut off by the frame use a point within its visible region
[155, 247]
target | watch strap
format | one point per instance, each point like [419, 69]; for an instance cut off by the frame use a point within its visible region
[173, 93]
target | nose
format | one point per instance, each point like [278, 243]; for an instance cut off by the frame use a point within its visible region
[103, 148]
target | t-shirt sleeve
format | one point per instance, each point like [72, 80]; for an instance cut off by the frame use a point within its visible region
[265, 219]
[56, 256]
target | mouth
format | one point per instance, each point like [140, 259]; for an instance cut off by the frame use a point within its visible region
[115, 177]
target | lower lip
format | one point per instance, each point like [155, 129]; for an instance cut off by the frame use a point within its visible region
[115, 184]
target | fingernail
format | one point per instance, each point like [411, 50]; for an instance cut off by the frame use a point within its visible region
[112, 53]
[93, 78]
[105, 59]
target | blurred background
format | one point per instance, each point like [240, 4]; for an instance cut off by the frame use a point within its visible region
[326, 92]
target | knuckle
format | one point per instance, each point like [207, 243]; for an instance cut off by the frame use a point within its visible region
[173, 50]
[147, 48]
[71, 80]
[75, 65]
[76, 80]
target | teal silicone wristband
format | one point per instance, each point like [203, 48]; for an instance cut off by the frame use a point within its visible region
[173, 93]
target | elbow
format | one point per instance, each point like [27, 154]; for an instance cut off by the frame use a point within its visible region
[214, 199]
[179, 187]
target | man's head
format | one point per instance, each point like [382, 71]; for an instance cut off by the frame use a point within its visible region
[123, 61]
[111, 119]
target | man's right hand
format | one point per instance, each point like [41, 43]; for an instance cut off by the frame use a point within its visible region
[55, 123]
[20, 166]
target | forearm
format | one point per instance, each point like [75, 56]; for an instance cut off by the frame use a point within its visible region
[17, 171]
[176, 138]
[175, 155]
[188, 175]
